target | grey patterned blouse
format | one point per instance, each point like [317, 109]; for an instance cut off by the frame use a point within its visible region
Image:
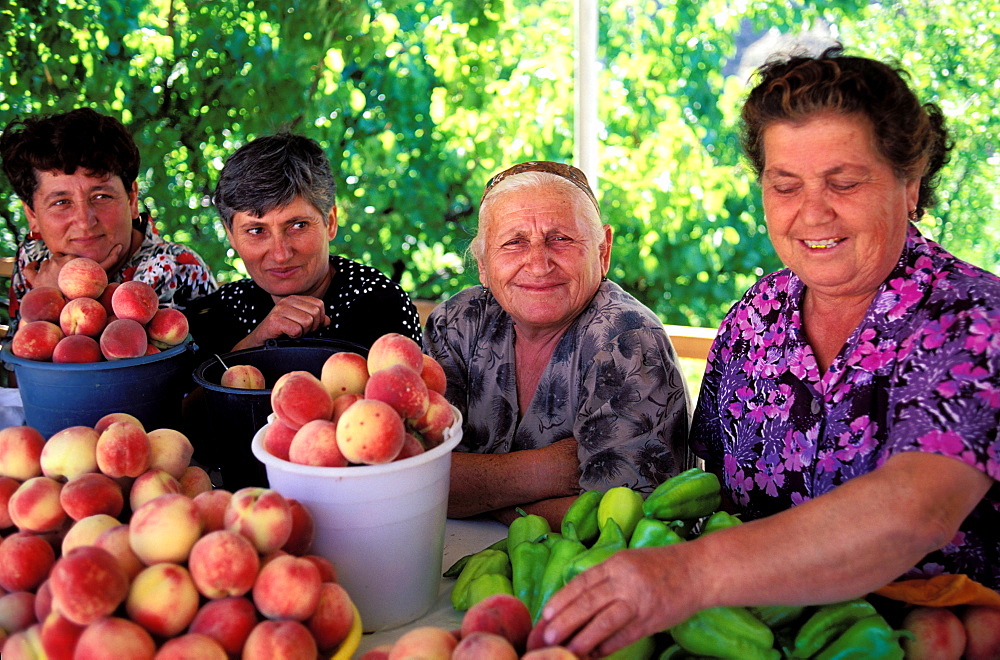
[613, 383]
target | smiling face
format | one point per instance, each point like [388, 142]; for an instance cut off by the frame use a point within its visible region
[836, 211]
[541, 259]
[83, 215]
[287, 251]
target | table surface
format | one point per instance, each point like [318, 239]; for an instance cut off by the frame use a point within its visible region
[461, 537]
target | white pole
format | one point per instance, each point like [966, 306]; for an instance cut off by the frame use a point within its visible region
[586, 91]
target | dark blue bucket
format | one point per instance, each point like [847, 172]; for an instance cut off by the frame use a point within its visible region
[57, 396]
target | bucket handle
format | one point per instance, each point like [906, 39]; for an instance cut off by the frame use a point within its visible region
[220, 361]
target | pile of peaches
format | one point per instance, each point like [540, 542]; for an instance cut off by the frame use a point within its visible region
[115, 546]
[359, 411]
[86, 319]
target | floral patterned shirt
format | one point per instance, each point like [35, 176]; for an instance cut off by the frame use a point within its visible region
[613, 383]
[177, 273]
[920, 373]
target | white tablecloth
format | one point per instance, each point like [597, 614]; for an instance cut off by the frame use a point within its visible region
[461, 537]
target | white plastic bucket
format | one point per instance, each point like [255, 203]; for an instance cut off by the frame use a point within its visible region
[382, 526]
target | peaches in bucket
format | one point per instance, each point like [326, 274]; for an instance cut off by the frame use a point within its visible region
[368, 411]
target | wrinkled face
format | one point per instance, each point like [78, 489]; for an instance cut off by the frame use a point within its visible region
[836, 212]
[286, 252]
[82, 214]
[540, 260]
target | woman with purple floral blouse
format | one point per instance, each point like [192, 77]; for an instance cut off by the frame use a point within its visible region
[851, 402]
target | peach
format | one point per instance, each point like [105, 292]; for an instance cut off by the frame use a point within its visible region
[344, 373]
[106, 296]
[34, 506]
[83, 316]
[82, 278]
[151, 350]
[938, 633]
[164, 529]
[333, 617]
[170, 451]
[59, 636]
[191, 645]
[243, 377]
[23, 645]
[195, 480]
[500, 614]
[299, 397]
[17, 612]
[380, 652]
[123, 450]
[303, 529]
[426, 642]
[21, 452]
[287, 587]
[394, 348]
[135, 300]
[288, 640]
[327, 571]
[481, 644]
[36, 340]
[123, 339]
[43, 600]
[211, 506]
[43, 303]
[432, 424]
[278, 439]
[982, 627]
[433, 376]
[162, 599]
[149, 485]
[226, 620]
[87, 583]
[7, 488]
[316, 444]
[113, 638]
[260, 514]
[87, 530]
[223, 563]
[25, 561]
[342, 403]
[411, 447]
[77, 349]
[370, 432]
[550, 653]
[91, 493]
[70, 453]
[116, 541]
[168, 327]
[400, 387]
[107, 420]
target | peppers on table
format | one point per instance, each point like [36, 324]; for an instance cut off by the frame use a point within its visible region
[560, 555]
[726, 632]
[456, 569]
[719, 520]
[581, 517]
[483, 562]
[486, 585]
[526, 527]
[828, 622]
[869, 638]
[608, 543]
[651, 533]
[527, 563]
[691, 494]
[624, 506]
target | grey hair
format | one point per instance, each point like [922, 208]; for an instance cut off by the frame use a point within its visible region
[271, 172]
[582, 204]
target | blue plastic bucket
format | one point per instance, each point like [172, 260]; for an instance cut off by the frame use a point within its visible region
[57, 396]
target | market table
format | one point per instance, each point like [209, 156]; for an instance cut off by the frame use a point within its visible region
[461, 537]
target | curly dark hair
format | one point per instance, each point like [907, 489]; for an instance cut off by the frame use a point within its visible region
[81, 138]
[911, 136]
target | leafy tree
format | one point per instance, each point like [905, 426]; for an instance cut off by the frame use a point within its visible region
[417, 103]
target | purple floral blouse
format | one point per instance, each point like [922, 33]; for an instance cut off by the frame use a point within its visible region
[920, 373]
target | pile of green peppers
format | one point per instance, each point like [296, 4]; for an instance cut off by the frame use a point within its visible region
[534, 561]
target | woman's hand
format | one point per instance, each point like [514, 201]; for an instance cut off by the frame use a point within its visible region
[292, 316]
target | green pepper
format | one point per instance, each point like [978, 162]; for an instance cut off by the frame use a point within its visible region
[650, 533]
[483, 562]
[526, 527]
[778, 616]
[608, 543]
[527, 563]
[719, 520]
[582, 514]
[691, 494]
[624, 506]
[726, 632]
[456, 569]
[641, 649]
[674, 652]
[550, 539]
[869, 638]
[828, 622]
[561, 554]
[488, 584]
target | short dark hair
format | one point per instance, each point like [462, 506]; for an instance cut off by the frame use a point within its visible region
[270, 172]
[911, 136]
[81, 138]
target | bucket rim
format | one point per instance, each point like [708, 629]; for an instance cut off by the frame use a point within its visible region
[7, 356]
[453, 435]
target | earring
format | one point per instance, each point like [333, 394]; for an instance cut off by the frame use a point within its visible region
[912, 215]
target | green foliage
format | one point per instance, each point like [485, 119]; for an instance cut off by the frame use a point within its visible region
[418, 103]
